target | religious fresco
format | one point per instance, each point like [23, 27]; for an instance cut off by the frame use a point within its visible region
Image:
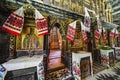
[29, 40]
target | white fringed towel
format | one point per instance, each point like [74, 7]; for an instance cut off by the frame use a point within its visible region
[41, 23]
[87, 21]
[104, 34]
[112, 33]
[116, 34]
[97, 34]
[14, 22]
[71, 31]
[84, 35]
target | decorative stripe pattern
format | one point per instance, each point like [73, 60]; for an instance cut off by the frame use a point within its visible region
[97, 34]
[14, 23]
[41, 23]
[71, 31]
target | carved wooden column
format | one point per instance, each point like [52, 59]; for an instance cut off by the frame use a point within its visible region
[12, 48]
[110, 15]
[103, 8]
[107, 15]
[99, 3]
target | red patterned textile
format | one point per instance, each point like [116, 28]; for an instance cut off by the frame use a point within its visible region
[14, 23]
[104, 34]
[112, 33]
[87, 21]
[97, 34]
[71, 31]
[116, 35]
[41, 23]
[84, 35]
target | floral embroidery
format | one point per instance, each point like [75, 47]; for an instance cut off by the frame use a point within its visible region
[105, 59]
[40, 71]
[76, 70]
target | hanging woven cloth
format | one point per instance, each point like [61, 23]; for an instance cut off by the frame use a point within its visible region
[87, 21]
[71, 31]
[104, 34]
[112, 33]
[84, 35]
[14, 22]
[97, 34]
[41, 23]
[116, 34]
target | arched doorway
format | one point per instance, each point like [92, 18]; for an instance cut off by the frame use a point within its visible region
[55, 46]
[55, 39]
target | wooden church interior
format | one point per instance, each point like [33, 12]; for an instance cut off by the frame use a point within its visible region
[57, 50]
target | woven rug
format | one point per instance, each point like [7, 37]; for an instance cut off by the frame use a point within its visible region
[56, 75]
[97, 67]
[112, 73]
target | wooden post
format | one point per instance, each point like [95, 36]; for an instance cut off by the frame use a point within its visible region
[12, 47]
[63, 50]
[46, 48]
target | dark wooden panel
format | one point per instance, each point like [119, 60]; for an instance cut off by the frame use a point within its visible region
[85, 67]
[22, 74]
[4, 41]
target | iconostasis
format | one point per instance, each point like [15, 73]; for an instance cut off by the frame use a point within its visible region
[78, 44]
[29, 39]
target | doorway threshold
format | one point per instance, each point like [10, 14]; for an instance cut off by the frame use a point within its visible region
[55, 64]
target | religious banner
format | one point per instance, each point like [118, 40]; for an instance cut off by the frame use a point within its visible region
[97, 34]
[87, 21]
[14, 23]
[84, 35]
[104, 34]
[112, 33]
[41, 23]
[71, 31]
